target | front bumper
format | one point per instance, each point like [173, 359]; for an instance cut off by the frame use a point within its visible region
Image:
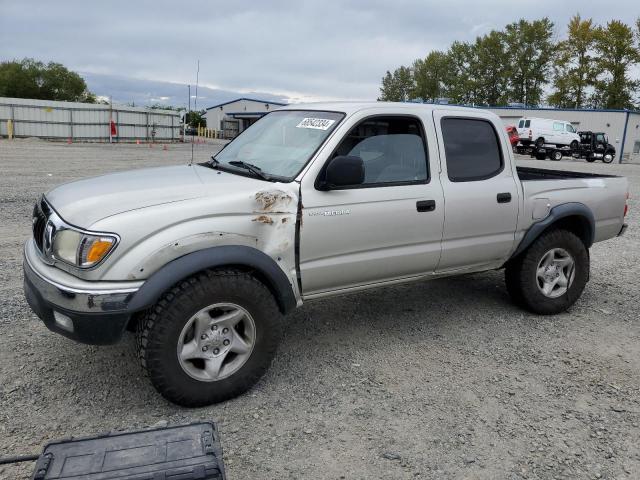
[88, 312]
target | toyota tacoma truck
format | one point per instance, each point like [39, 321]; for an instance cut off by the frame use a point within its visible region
[203, 261]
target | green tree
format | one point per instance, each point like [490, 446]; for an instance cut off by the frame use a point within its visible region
[489, 69]
[617, 55]
[29, 78]
[530, 50]
[430, 76]
[196, 118]
[574, 65]
[160, 106]
[397, 86]
[460, 85]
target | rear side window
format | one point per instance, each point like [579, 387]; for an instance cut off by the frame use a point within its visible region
[472, 149]
[558, 126]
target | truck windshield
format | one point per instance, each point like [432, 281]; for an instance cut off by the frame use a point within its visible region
[280, 144]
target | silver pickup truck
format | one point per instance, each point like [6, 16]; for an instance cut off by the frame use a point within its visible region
[202, 261]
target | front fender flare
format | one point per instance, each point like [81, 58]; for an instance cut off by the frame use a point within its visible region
[558, 212]
[226, 255]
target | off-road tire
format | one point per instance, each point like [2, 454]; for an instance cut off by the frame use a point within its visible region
[520, 273]
[159, 329]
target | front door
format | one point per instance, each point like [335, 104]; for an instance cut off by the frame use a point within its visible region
[481, 191]
[390, 227]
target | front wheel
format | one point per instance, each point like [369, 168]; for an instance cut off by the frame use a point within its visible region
[551, 274]
[574, 145]
[608, 158]
[210, 338]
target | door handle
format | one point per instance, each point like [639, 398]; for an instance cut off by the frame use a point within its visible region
[504, 197]
[426, 205]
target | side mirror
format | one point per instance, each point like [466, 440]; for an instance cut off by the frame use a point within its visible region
[343, 171]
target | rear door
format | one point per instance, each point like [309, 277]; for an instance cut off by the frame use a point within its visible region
[481, 192]
[388, 228]
[523, 128]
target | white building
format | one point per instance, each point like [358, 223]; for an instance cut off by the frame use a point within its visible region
[235, 116]
[621, 126]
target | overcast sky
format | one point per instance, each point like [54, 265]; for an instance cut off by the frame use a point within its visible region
[293, 49]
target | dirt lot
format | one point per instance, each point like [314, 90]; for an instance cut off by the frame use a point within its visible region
[445, 379]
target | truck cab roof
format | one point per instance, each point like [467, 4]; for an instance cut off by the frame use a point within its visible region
[350, 107]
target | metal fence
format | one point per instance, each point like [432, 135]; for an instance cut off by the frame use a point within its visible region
[21, 117]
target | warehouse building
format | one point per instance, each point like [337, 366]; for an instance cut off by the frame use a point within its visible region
[621, 126]
[233, 117]
[90, 122]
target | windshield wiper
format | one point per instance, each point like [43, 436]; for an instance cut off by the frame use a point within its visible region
[257, 171]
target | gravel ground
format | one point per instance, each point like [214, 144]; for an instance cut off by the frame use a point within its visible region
[445, 379]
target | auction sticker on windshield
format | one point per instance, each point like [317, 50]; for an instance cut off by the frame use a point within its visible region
[317, 123]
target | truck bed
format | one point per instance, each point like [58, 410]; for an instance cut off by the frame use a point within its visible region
[528, 174]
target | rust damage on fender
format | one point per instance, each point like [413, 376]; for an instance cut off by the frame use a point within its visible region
[266, 219]
[273, 200]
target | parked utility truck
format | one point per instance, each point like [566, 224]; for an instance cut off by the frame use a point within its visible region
[204, 261]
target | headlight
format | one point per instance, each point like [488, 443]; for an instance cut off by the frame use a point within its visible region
[81, 249]
[65, 245]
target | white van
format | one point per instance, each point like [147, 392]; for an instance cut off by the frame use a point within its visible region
[542, 131]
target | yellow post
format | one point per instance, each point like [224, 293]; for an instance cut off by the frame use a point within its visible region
[10, 129]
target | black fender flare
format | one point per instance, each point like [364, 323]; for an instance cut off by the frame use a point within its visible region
[558, 212]
[226, 255]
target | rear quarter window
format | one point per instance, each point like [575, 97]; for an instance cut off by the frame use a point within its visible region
[472, 149]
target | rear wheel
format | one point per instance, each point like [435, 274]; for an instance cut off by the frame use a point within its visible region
[591, 159]
[574, 145]
[556, 155]
[551, 274]
[210, 338]
[539, 142]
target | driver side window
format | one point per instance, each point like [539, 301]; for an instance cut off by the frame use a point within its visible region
[392, 150]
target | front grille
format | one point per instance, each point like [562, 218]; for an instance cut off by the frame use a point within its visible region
[41, 212]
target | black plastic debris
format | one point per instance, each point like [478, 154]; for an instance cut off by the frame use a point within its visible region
[187, 452]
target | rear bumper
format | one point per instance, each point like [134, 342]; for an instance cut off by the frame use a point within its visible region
[96, 316]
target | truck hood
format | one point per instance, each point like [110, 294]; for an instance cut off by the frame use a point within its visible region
[84, 202]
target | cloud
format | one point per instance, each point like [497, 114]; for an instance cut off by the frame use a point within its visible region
[293, 48]
[148, 92]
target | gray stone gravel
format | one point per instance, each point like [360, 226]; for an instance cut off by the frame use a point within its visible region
[445, 379]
